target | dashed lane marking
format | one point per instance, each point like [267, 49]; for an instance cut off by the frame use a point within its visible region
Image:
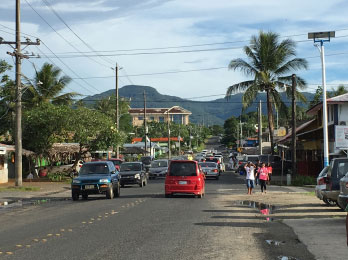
[58, 235]
[9, 253]
[70, 230]
[62, 229]
[49, 235]
[19, 246]
[44, 240]
[36, 240]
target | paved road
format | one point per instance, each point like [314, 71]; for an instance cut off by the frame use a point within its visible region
[142, 224]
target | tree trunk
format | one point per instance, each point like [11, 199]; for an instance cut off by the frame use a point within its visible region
[270, 120]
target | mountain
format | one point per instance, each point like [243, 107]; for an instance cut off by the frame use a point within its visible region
[207, 112]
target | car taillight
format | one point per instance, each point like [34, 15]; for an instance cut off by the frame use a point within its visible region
[239, 163]
[321, 181]
[215, 170]
[347, 185]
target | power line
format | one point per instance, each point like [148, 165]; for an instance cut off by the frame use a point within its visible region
[61, 36]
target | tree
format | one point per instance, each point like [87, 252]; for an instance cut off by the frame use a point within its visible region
[339, 90]
[7, 98]
[269, 63]
[231, 132]
[47, 87]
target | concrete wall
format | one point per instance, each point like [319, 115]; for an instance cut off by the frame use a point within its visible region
[3, 169]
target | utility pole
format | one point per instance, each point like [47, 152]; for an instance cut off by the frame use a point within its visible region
[260, 127]
[168, 122]
[19, 56]
[117, 111]
[293, 132]
[145, 130]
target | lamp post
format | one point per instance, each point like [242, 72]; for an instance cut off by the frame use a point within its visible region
[321, 37]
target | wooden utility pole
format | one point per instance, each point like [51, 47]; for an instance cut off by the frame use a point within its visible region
[145, 130]
[293, 131]
[117, 111]
[260, 127]
[19, 56]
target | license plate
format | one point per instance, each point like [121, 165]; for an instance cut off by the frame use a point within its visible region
[182, 182]
[89, 187]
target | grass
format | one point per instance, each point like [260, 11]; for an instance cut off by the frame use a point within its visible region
[19, 189]
[311, 193]
[303, 180]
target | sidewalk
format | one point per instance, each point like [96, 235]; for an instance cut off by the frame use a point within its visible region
[10, 194]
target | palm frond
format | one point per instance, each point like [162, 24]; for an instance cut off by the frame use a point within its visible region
[242, 65]
[292, 65]
[249, 96]
[239, 87]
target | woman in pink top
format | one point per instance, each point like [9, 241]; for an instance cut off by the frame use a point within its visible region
[270, 170]
[263, 173]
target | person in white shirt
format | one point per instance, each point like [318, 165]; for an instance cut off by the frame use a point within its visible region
[250, 176]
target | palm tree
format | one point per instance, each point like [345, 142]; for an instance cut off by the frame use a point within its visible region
[47, 87]
[269, 63]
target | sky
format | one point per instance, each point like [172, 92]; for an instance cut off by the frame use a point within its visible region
[88, 37]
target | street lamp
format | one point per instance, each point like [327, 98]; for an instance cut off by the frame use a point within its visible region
[321, 37]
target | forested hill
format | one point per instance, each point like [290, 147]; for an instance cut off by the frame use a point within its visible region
[209, 112]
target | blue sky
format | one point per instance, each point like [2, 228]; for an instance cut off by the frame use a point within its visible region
[140, 24]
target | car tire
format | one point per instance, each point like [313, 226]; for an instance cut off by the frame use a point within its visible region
[200, 196]
[329, 202]
[167, 195]
[122, 185]
[217, 177]
[110, 193]
[85, 196]
[75, 196]
[117, 191]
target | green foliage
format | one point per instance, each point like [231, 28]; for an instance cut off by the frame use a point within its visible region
[269, 63]
[303, 180]
[7, 96]
[216, 130]
[47, 87]
[334, 92]
[231, 132]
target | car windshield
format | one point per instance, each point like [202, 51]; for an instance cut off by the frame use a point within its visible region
[253, 159]
[130, 167]
[116, 162]
[182, 169]
[208, 165]
[95, 168]
[158, 164]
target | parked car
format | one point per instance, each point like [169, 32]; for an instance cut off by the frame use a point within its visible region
[210, 169]
[159, 168]
[133, 173]
[321, 185]
[146, 160]
[117, 162]
[96, 178]
[337, 169]
[343, 196]
[184, 177]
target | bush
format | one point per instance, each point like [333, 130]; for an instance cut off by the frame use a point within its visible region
[303, 180]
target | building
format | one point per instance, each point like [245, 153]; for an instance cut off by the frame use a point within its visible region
[175, 114]
[309, 136]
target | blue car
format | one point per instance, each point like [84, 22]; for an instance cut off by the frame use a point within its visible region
[96, 178]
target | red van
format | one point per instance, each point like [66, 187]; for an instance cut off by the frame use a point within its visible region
[184, 177]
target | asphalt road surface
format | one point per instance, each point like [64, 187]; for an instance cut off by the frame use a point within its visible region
[143, 224]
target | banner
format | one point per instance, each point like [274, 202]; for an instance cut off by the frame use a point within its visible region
[341, 137]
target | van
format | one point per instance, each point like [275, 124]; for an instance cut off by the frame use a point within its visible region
[184, 177]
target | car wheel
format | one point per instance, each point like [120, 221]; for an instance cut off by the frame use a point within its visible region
[141, 184]
[217, 177]
[167, 195]
[110, 193]
[85, 196]
[329, 202]
[199, 196]
[75, 196]
[122, 185]
[118, 190]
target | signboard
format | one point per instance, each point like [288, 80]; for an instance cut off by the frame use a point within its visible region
[341, 137]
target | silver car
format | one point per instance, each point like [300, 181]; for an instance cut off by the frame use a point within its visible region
[343, 196]
[210, 169]
[158, 168]
[321, 184]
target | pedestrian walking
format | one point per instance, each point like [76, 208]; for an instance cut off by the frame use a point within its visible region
[263, 177]
[270, 170]
[250, 176]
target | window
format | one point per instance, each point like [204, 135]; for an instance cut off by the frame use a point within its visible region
[332, 113]
[161, 119]
[183, 169]
[342, 169]
[152, 118]
[140, 118]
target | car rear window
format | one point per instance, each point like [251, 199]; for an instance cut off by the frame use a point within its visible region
[212, 160]
[158, 164]
[182, 169]
[94, 168]
[207, 164]
[130, 167]
[253, 159]
[116, 162]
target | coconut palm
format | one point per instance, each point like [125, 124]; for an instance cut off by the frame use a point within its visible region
[47, 87]
[269, 61]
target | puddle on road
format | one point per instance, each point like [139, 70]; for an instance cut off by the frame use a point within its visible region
[286, 258]
[264, 209]
[274, 242]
